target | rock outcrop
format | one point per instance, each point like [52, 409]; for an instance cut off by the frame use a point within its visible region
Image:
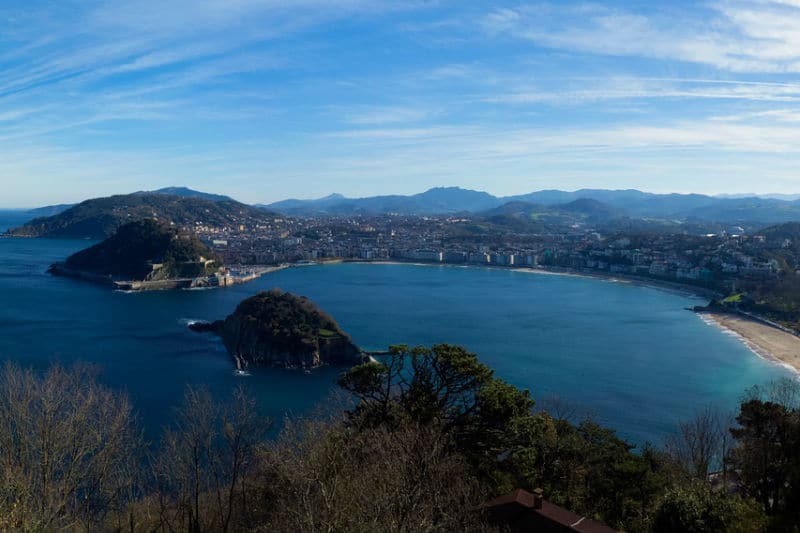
[277, 328]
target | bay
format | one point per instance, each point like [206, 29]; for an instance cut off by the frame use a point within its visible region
[631, 356]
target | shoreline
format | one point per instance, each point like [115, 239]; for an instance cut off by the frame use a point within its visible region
[766, 342]
[214, 281]
[664, 285]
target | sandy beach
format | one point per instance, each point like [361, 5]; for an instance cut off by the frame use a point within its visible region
[768, 342]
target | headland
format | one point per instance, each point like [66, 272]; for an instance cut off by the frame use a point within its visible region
[148, 255]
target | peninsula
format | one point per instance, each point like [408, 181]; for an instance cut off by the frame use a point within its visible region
[147, 255]
[276, 328]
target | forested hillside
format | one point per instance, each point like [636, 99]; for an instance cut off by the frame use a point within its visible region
[134, 250]
[431, 437]
[101, 217]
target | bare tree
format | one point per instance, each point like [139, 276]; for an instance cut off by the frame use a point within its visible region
[560, 408]
[326, 476]
[204, 460]
[701, 443]
[69, 450]
[786, 392]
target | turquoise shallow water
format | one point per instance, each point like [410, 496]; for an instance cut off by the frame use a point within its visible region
[631, 356]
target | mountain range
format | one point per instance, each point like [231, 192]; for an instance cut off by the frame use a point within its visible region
[611, 209]
[772, 196]
[618, 203]
[436, 201]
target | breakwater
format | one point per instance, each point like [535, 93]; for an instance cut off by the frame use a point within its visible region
[226, 279]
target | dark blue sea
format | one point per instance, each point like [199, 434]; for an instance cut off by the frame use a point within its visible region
[631, 356]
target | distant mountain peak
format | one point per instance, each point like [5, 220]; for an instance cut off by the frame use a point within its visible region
[333, 196]
[449, 188]
[176, 190]
[453, 190]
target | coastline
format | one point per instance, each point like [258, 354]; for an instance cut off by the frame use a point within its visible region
[664, 285]
[215, 281]
[767, 342]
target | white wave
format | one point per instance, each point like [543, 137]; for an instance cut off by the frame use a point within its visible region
[191, 321]
[762, 354]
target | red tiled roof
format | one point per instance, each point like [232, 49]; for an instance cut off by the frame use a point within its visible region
[519, 511]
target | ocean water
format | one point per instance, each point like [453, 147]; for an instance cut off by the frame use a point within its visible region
[631, 356]
[12, 218]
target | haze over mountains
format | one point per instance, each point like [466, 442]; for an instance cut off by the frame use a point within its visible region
[771, 196]
[610, 209]
[620, 203]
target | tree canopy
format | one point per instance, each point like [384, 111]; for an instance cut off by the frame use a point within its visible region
[433, 434]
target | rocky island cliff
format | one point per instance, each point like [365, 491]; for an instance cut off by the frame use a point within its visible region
[276, 328]
[145, 253]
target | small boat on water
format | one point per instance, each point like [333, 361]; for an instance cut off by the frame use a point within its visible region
[241, 366]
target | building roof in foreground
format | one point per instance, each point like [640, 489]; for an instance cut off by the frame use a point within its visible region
[523, 511]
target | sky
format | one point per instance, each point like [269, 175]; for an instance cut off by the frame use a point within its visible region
[270, 99]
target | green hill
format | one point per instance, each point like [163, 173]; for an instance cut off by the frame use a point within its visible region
[101, 217]
[277, 328]
[146, 249]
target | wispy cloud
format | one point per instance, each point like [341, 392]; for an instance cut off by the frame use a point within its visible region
[770, 116]
[711, 134]
[274, 98]
[735, 35]
[376, 115]
[609, 88]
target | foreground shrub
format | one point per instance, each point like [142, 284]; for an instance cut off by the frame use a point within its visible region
[698, 509]
[331, 477]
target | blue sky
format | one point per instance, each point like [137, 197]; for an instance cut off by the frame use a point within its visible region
[268, 99]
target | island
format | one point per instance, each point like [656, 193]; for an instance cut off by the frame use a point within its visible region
[277, 328]
[148, 255]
